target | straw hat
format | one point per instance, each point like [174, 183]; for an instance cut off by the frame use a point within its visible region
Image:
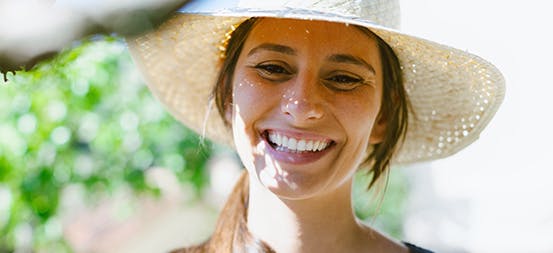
[454, 94]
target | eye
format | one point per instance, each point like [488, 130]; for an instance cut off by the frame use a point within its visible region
[344, 79]
[343, 82]
[272, 69]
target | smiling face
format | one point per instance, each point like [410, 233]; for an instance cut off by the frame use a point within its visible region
[306, 99]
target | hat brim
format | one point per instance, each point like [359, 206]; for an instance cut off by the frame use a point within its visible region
[454, 94]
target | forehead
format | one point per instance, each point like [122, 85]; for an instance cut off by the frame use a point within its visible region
[314, 35]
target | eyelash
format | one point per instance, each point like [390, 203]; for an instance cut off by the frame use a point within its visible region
[343, 82]
[272, 69]
[344, 79]
[337, 82]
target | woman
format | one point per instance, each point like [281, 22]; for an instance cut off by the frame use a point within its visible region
[312, 92]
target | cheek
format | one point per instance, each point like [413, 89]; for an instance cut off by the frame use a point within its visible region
[250, 103]
[358, 115]
[248, 97]
[243, 118]
[358, 120]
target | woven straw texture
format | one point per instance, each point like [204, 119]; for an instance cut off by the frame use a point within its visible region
[454, 94]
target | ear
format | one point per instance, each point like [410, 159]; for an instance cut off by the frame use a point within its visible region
[379, 129]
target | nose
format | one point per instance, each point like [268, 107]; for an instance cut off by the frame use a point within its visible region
[302, 103]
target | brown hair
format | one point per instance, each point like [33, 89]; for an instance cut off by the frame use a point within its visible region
[231, 233]
[394, 108]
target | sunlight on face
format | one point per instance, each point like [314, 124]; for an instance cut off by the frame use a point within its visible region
[272, 172]
[305, 100]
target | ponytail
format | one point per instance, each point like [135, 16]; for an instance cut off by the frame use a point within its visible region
[231, 233]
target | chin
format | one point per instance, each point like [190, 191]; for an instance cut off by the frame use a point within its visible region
[290, 185]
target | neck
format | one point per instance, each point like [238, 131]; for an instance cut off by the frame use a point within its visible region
[320, 224]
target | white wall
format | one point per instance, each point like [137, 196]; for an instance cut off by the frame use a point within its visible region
[496, 195]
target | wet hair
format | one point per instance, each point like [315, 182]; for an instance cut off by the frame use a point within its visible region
[231, 233]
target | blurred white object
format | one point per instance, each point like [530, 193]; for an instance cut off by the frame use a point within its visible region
[36, 29]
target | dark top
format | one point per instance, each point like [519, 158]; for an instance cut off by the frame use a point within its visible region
[416, 249]
[200, 248]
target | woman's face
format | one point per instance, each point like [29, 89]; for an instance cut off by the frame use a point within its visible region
[306, 98]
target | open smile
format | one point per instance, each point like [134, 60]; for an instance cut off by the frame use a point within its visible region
[296, 148]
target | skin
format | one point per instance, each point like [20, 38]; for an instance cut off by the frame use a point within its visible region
[287, 81]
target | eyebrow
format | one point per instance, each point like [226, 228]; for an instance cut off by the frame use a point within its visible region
[273, 47]
[347, 58]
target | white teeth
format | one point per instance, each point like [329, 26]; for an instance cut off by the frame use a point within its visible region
[309, 145]
[319, 146]
[292, 143]
[283, 142]
[322, 145]
[278, 140]
[316, 145]
[301, 145]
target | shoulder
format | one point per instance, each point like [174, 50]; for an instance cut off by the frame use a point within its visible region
[377, 241]
[388, 244]
[416, 249]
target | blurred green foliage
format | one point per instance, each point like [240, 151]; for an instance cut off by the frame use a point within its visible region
[83, 118]
[383, 206]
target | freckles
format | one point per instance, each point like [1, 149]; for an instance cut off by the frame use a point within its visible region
[354, 108]
[358, 115]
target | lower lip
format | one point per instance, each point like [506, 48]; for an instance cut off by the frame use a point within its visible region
[296, 157]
